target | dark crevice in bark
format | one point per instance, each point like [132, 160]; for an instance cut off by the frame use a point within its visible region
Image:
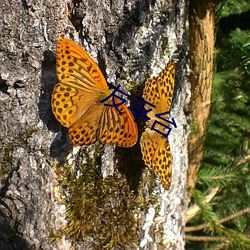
[3, 86]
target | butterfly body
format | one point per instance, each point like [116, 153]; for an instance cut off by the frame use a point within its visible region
[76, 101]
[154, 145]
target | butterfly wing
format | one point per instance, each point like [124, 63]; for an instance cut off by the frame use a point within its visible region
[156, 154]
[107, 126]
[80, 83]
[76, 101]
[155, 147]
[116, 128]
[159, 90]
[75, 68]
[85, 130]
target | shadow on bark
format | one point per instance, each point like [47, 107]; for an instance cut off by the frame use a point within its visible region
[9, 239]
[131, 165]
[61, 145]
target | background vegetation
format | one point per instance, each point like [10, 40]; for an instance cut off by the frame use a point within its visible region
[224, 223]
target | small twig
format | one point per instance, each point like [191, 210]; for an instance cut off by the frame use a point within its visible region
[230, 217]
[205, 238]
[245, 159]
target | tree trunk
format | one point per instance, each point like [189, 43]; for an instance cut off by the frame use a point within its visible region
[54, 196]
[201, 40]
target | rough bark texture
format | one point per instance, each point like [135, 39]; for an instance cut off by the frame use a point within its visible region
[201, 40]
[123, 36]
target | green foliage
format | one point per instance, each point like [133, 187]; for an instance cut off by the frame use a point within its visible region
[207, 211]
[218, 176]
[230, 7]
[226, 153]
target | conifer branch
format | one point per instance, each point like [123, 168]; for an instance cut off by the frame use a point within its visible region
[227, 218]
[194, 209]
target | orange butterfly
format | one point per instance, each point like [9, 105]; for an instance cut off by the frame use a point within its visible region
[76, 101]
[155, 146]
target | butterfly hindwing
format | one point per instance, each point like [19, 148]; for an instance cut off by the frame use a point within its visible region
[63, 105]
[156, 154]
[84, 133]
[118, 128]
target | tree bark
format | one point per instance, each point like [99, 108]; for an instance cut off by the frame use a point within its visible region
[40, 170]
[201, 41]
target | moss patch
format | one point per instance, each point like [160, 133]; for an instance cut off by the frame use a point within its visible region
[20, 140]
[103, 212]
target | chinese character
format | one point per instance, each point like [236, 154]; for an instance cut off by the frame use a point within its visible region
[140, 110]
[113, 95]
[164, 125]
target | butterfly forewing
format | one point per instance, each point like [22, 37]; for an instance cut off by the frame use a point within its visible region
[159, 90]
[76, 69]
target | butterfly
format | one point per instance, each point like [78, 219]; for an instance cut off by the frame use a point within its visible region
[155, 146]
[76, 101]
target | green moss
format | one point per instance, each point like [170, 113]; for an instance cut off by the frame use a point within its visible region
[164, 10]
[105, 212]
[195, 129]
[131, 84]
[19, 140]
[28, 133]
[5, 161]
[164, 45]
